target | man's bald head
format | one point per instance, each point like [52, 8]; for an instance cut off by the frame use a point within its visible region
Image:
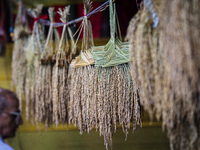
[6, 95]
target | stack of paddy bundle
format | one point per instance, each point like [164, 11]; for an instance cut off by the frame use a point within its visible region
[117, 96]
[81, 81]
[60, 70]
[145, 58]
[180, 41]
[167, 68]
[21, 34]
[33, 50]
[43, 104]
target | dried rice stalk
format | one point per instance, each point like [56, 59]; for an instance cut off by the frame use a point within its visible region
[81, 78]
[59, 73]
[117, 99]
[44, 79]
[180, 43]
[102, 97]
[147, 66]
[33, 51]
[145, 58]
[98, 99]
[21, 33]
[81, 94]
[167, 67]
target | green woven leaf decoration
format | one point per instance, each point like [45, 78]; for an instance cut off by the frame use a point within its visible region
[115, 52]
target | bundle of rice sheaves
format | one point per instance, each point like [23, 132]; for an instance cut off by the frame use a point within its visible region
[145, 58]
[180, 41]
[44, 103]
[167, 68]
[60, 70]
[33, 50]
[81, 81]
[21, 34]
[117, 97]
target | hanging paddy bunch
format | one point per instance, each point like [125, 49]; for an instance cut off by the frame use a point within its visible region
[167, 67]
[180, 41]
[21, 34]
[145, 58]
[33, 50]
[102, 96]
[60, 70]
[81, 79]
[118, 99]
[43, 105]
[103, 86]
[91, 90]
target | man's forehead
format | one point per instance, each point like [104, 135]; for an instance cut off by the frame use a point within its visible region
[11, 98]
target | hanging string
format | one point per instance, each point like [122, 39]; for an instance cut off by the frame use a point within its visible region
[56, 24]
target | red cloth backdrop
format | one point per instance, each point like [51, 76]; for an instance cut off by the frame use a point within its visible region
[95, 19]
[100, 21]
